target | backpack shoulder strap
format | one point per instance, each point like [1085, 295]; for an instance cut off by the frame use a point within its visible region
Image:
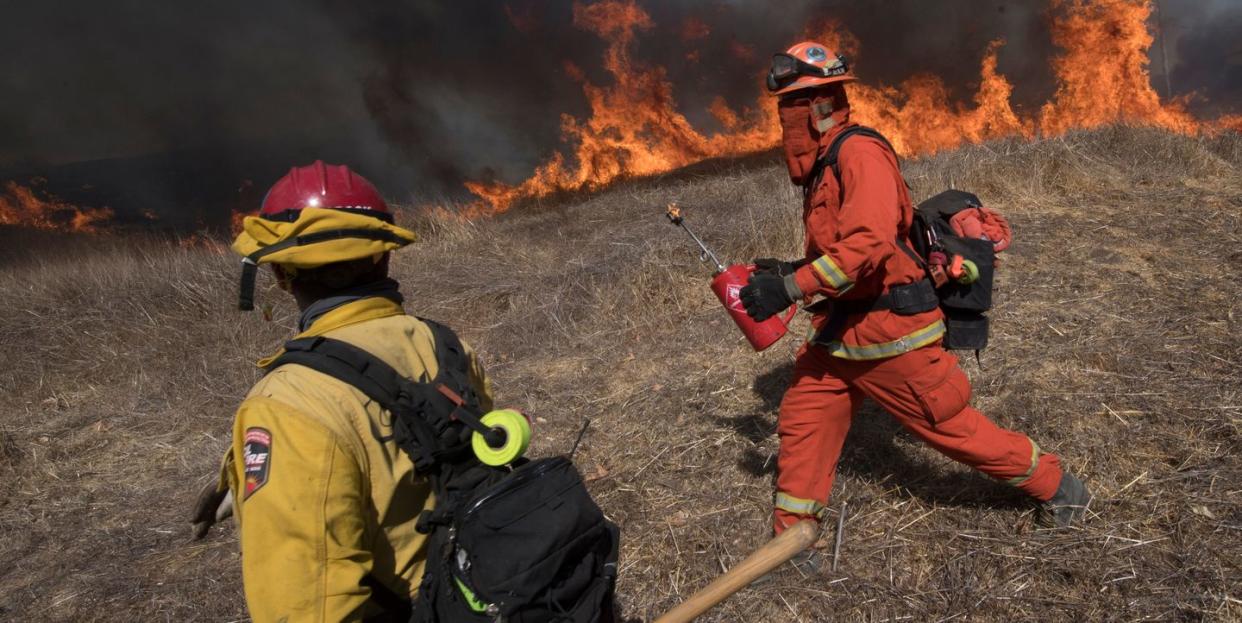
[436, 404]
[347, 363]
[831, 161]
[451, 359]
[453, 373]
[831, 158]
[370, 374]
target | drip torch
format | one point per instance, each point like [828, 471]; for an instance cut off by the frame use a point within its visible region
[727, 283]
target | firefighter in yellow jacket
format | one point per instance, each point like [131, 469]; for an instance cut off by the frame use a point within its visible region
[326, 501]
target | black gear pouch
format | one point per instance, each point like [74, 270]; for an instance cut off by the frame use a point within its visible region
[965, 330]
[976, 296]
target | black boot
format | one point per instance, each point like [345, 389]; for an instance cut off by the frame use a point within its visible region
[1068, 506]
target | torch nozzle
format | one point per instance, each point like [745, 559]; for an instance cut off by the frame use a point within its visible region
[673, 213]
[674, 216]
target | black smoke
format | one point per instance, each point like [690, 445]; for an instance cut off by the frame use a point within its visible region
[173, 106]
[1205, 54]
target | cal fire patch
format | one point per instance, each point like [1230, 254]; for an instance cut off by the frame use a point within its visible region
[257, 453]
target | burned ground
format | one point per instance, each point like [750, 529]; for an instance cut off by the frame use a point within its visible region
[1115, 344]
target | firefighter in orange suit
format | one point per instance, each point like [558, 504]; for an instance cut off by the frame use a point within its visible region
[326, 501]
[853, 258]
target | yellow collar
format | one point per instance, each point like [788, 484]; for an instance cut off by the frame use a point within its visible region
[353, 312]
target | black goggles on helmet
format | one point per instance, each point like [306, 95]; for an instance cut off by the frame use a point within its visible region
[787, 68]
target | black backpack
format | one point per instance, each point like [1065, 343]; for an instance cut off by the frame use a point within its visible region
[963, 305]
[518, 545]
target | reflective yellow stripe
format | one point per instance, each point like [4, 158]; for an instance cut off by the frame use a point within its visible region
[801, 506]
[832, 274]
[918, 339]
[1030, 470]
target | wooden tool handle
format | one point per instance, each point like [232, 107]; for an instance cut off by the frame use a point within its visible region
[773, 554]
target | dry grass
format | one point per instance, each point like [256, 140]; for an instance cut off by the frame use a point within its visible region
[1115, 344]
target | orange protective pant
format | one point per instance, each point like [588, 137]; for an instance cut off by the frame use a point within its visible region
[928, 394]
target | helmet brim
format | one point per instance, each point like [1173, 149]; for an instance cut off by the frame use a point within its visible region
[810, 82]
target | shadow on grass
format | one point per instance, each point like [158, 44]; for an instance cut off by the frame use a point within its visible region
[877, 449]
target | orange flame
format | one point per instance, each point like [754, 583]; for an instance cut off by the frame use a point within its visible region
[1102, 75]
[635, 129]
[22, 207]
[919, 118]
[1229, 122]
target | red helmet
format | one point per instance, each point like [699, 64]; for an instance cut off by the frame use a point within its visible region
[319, 185]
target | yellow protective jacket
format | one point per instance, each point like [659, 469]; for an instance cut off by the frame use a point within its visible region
[321, 500]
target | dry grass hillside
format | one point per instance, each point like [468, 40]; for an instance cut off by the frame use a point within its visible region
[1116, 343]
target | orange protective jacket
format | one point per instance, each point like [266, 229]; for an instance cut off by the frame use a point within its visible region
[851, 242]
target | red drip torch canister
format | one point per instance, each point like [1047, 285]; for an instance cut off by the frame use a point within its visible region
[728, 288]
[728, 284]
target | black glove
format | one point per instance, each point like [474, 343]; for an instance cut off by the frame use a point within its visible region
[212, 506]
[775, 266]
[768, 294]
